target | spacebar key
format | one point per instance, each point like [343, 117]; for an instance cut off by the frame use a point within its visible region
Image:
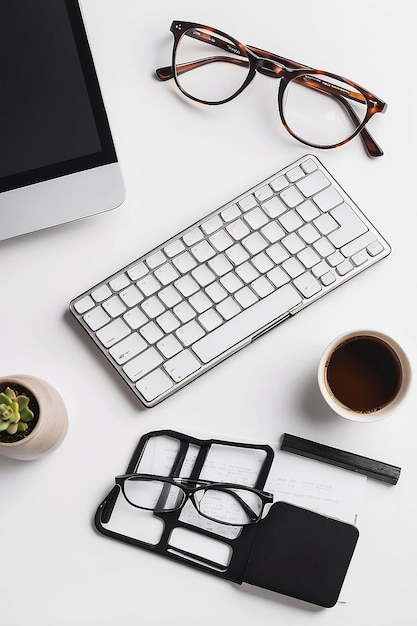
[246, 323]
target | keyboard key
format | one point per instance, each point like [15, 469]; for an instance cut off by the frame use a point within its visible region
[200, 302]
[131, 296]
[100, 294]
[174, 248]
[120, 282]
[216, 292]
[291, 197]
[192, 237]
[96, 318]
[308, 257]
[203, 275]
[156, 259]
[274, 207]
[291, 221]
[151, 332]
[228, 308]
[359, 258]
[247, 203]
[262, 263]
[231, 213]
[113, 332]
[148, 285]
[247, 272]
[169, 346]
[184, 312]
[307, 285]
[328, 199]
[168, 322]
[189, 333]
[186, 285]
[210, 319]
[325, 224]
[238, 229]
[278, 277]
[85, 304]
[203, 251]
[221, 240]
[135, 318]
[262, 286]
[211, 225]
[246, 297]
[153, 307]
[295, 174]
[263, 193]
[255, 243]
[237, 254]
[184, 262]
[309, 233]
[327, 279]
[273, 232]
[277, 253]
[220, 265]
[279, 183]
[114, 306]
[231, 282]
[308, 166]
[344, 268]
[250, 320]
[137, 271]
[142, 364]
[170, 296]
[154, 384]
[313, 183]
[256, 218]
[308, 211]
[293, 243]
[375, 248]
[166, 274]
[182, 365]
[351, 226]
[128, 348]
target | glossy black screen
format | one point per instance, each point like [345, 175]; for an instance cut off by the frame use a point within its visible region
[52, 119]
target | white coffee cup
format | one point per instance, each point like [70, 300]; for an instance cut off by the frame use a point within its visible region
[363, 375]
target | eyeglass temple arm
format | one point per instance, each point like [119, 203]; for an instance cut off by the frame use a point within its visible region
[166, 73]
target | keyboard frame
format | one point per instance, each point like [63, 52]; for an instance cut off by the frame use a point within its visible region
[252, 337]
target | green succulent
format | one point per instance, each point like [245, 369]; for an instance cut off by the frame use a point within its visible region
[14, 412]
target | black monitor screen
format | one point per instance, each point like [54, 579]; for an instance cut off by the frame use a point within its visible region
[52, 119]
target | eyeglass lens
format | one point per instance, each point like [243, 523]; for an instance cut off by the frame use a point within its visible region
[321, 110]
[217, 69]
[231, 506]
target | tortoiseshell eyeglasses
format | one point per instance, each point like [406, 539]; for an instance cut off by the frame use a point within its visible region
[318, 108]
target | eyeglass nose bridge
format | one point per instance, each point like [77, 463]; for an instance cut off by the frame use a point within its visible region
[270, 68]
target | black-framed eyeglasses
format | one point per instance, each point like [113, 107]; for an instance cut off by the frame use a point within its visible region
[318, 108]
[227, 503]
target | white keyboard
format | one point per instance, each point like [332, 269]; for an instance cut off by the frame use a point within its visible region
[183, 307]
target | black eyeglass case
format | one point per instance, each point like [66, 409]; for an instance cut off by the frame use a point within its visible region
[292, 551]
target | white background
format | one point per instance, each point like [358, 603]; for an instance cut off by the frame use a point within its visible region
[180, 161]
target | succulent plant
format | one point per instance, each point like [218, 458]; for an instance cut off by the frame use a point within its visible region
[14, 412]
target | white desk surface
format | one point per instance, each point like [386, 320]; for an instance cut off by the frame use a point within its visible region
[179, 162]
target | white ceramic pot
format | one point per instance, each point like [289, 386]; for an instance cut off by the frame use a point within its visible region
[51, 427]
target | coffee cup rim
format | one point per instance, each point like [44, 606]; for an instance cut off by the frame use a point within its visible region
[345, 411]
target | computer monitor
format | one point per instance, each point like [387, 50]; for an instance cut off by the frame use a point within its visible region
[57, 158]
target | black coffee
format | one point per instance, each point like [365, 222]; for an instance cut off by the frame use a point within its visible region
[364, 374]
